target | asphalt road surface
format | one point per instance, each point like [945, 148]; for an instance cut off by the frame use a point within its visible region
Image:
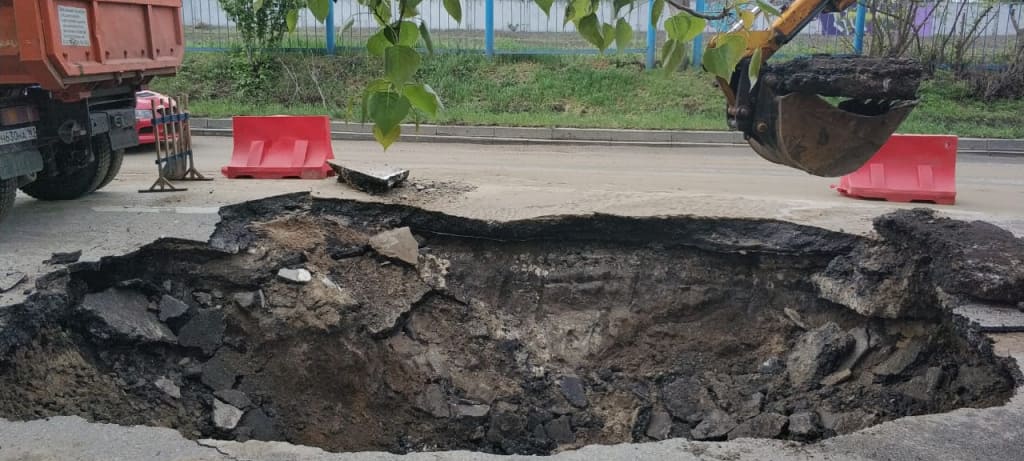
[500, 182]
[503, 183]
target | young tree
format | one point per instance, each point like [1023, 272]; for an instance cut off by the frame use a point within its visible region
[388, 100]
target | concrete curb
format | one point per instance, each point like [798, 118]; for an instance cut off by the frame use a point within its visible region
[573, 136]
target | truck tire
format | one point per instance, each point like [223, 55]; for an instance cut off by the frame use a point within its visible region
[8, 189]
[116, 159]
[69, 185]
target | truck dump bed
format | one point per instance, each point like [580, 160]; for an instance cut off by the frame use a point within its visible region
[73, 47]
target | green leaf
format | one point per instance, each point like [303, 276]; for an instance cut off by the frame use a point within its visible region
[386, 139]
[608, 34]
[666, 50]
[387, 109]
[683, 27]
[348, 25]
[618, 4]
[623, 35]
[722, 59]
[408, 34]
[747, 17]
[410, 8]
[400, 64]
[454, 9]
[382, 10]
[675, 58]
[377, 43]
[768, 8]
[423, 98]
[755, 67]
[581, 9]
[570, 11]
[590, 29]
[319, 8]
[545, 5]
[257, 4]
[659, 6]
[292, 19]
[425, 33]
[402, 33]
[377, 86]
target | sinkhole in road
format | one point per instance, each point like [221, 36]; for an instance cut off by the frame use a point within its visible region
[353, 326]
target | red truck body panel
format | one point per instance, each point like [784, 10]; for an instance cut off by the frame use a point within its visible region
[71, 47]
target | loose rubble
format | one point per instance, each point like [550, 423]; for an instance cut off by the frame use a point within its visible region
[376, 180]
[353, 326]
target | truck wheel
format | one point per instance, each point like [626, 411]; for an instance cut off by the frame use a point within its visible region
[116, 159]
[71, 184]
[8, 189]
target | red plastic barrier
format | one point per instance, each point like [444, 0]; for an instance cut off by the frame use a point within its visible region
[281, 146]
[909, 168]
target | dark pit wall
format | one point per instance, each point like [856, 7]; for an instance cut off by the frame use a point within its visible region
[524, 337]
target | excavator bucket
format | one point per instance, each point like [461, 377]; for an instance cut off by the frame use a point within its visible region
[806, 132]
[787, 120]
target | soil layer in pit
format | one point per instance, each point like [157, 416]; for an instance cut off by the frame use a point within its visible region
[354, 326]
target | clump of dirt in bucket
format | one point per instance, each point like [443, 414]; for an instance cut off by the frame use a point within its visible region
[354, 326]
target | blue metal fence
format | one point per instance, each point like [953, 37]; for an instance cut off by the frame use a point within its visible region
[519, 27]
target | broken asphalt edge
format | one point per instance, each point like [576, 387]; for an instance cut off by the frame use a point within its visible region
[343, 131]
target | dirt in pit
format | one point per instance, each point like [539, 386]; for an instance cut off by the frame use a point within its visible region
[354, 326]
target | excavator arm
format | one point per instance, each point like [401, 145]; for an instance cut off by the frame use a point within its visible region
[784, 115]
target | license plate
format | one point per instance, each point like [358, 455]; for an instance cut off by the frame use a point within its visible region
[17, 135]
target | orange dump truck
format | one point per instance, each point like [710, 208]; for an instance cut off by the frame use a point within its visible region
[69, 71]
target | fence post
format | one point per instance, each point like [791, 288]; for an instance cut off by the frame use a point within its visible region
[330, 27]
[862, 19]
[652, 35]
[698, 41]
[489, 28]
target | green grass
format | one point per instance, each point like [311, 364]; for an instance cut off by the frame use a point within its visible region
[563, 91]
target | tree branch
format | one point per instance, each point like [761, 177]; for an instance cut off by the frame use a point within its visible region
[724, 14]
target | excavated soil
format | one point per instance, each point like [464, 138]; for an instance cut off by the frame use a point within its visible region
[354, 326]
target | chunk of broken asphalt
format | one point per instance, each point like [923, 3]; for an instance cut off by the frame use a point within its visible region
[818, 353]
[572, 390]
[472, 411]
[168, 387]
[225, 416]
[205, 330]
[371, 180]
[171, 308]
[397, 244]
[900, 360]
[295, 275]
[660, 424]
[124, 314]
[559, 430]
[762, 426]
[64, 258]
[246, 299]
[715, 425]
[804, 424]
[234, 397]
[9, 280]
[433, 401]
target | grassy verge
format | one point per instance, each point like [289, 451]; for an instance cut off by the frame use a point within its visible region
[564, 91]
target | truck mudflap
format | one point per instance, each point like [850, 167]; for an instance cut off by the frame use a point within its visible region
[118, 125]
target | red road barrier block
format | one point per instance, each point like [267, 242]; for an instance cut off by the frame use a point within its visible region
[279, 147]
[909, 168]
